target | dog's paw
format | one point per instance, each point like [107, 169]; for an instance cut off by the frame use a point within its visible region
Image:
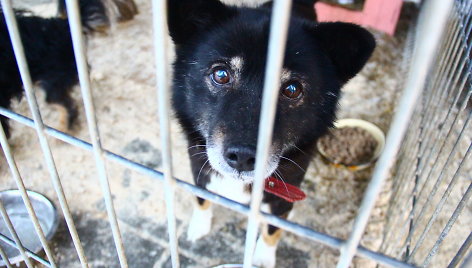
[200, 224]
[264, 255]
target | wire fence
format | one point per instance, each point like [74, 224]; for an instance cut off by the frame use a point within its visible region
[433, 171]
[434, 140]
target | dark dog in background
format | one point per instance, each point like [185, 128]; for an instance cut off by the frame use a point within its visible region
[217, 90]
[49, 52]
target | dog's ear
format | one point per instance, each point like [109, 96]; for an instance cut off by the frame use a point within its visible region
[347, 45]
[189, 18]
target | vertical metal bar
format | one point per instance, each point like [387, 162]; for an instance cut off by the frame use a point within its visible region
[468, 261]
[428, 40]
[404, 155]
[440, 205]
[451, 46]
[159, 8]
[443, 169]
[457, 76]
[14, 235]
[21, 187]
[39, 126]
[444, 166]
[80, 56]
[460, 36]
[461, 253]
[5, 258]
[275, 57]
[448, 226]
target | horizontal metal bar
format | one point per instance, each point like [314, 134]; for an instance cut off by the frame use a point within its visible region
[214, 198]
[30, 253]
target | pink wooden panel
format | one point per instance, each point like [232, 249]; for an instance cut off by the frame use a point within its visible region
[381, 15]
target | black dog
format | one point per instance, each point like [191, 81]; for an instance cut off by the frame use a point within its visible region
[217, 90]
[50, 56]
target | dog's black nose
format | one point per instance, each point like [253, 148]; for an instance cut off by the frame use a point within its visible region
[240, 158]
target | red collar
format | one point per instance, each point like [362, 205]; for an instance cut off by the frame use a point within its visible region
[284, 190]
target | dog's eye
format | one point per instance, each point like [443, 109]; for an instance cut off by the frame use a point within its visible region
[292, 90]
[220, 76]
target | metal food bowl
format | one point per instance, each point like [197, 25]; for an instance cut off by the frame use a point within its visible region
[374, 130]
[16, 209]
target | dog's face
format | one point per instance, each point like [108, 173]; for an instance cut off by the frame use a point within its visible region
[219, 75]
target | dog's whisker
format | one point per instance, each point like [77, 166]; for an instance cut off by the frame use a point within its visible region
[199, 153]
[296, 147]
[198, 177]
[196, 146]
[278, 175]
[295, 163]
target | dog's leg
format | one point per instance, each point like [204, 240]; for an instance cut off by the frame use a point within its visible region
[59, 95]
[266, 247]
[63, 115]
[200, 224]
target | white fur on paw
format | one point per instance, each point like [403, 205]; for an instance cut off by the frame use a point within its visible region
[264, 255]
[200, 224]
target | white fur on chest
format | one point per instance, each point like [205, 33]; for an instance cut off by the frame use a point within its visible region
[229, 188]
[232, 189]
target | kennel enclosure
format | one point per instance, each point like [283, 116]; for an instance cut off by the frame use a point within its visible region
[426, 157]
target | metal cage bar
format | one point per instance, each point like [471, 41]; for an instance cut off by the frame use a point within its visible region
[448, 226]
[275, 58]
[435, 19]
[461, 253]
[449, 123]
[281, 11]
[80, 57]
[438, 182]
[435, 189]
[21, 187]
[14, 234]
[162, 73]
[39, 126]
[5, 258]
[444, 155]
[31, 254]
[468, 261]
[214, 198]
